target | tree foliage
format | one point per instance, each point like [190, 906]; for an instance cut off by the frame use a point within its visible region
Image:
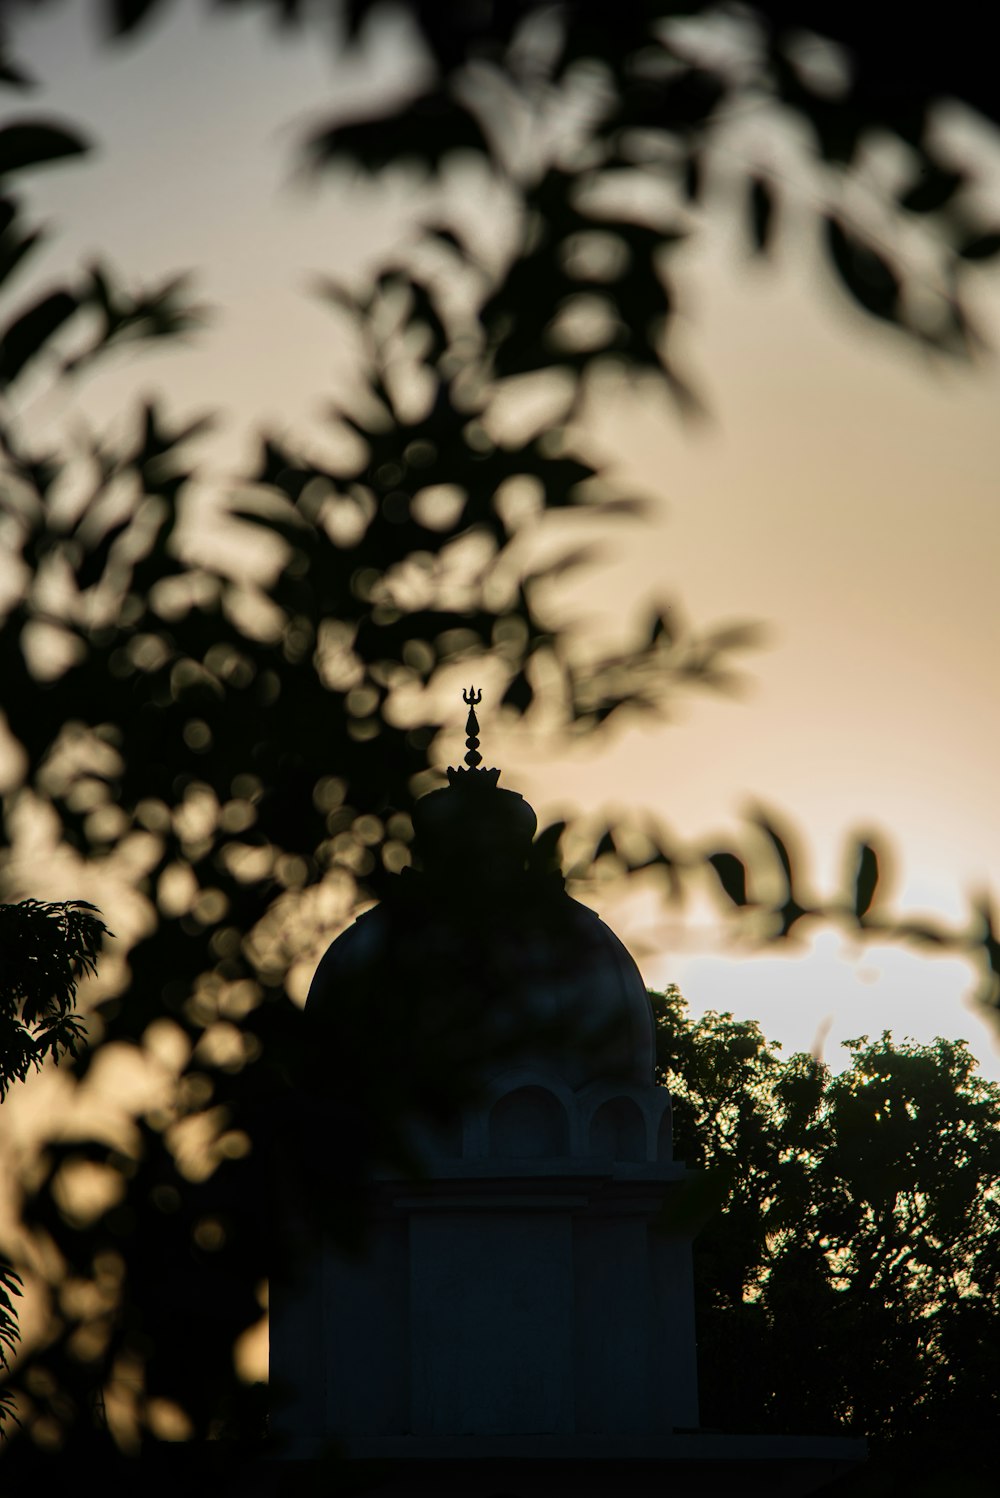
[245, 764]
[45, 949]
[849, 1283]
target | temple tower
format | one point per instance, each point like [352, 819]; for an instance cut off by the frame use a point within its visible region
[524, 1300]
[524, 1288]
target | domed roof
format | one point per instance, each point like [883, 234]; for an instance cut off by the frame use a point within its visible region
[561, 994]
[482, 947]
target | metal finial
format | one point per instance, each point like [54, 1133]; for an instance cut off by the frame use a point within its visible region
[472, 699]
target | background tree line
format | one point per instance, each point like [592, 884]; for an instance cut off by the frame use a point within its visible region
[245, 771]
[847, 1270]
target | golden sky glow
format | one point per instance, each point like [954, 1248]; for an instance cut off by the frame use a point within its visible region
[843, 492]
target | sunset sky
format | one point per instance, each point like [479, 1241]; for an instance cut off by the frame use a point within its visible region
[843, 491]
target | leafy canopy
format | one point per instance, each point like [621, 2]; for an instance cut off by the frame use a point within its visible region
[45, 949]
[854, 1264]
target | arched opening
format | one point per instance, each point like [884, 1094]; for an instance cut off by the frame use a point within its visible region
[528, 1124]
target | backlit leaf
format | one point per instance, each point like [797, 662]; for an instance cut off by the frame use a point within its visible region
[29, 143]
[732, 875]
[29, 334]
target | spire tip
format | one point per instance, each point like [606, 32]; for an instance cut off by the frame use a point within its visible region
[472, 698]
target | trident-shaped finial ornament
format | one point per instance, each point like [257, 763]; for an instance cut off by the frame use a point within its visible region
[472, 775]
[472, 699]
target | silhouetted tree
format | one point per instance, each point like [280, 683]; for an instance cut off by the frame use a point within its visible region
[45, 949]
[848, 1283]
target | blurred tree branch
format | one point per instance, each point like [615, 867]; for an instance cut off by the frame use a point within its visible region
[246, 766]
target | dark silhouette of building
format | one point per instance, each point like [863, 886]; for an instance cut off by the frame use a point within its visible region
[524, 1318]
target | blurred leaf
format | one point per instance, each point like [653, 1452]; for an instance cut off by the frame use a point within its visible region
[988, 938]
[519, 694]
[424, 313]
[865, 879]
[30, 143]
[28, 335]
[981, 247]
[92, 567]
[777, 842]
[442, 234]
[330, 290]
[606, 844]
[12, 74]
[567, 561]
[739, 636]
[837, 123]
[935, 187]
[163, 311]
[922, 934]
[426, 129]
[762, 215]
[124, 16]
[14, 247]
[732, 876]
[662, 627]
[791, 910]
[693, 175]
[865, 273]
